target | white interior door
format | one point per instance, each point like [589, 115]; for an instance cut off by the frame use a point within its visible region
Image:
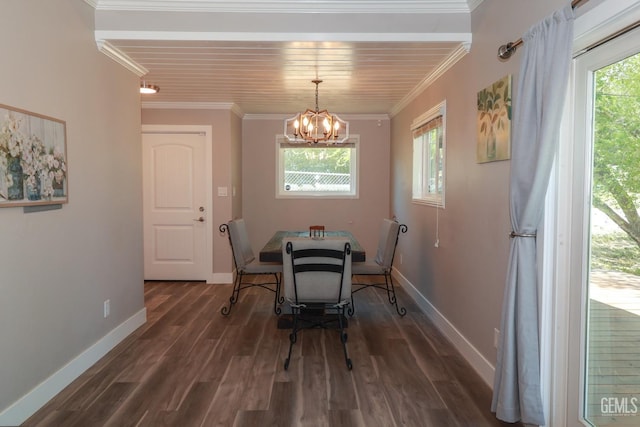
[176, 204]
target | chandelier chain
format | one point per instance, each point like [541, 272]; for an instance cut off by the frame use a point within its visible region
[317, 82]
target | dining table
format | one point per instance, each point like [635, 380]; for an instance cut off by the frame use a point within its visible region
[272, 250]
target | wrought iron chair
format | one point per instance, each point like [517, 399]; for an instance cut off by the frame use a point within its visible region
[246, 264]
[317, 275]
[381, 265]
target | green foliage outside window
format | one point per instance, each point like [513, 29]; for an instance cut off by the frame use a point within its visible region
[616, 169]
[323, 159]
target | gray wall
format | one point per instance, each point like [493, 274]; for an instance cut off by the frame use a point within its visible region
[57, 267]
[264, 214]
[236, 172]
[464, 277]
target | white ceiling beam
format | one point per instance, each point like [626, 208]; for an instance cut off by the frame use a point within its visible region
[281, 37]
[290, 6]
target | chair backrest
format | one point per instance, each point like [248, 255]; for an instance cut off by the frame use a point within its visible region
[387, 241]
[316, 270]
[316, 231]
[240, 244]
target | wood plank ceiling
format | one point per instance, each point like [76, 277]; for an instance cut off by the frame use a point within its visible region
[261, 60]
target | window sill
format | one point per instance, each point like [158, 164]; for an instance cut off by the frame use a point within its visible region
[429, 202]
[316, 196]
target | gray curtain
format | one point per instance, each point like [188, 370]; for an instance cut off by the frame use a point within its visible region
[538, 105]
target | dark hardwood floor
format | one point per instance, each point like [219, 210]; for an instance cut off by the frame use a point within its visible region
[191, 366]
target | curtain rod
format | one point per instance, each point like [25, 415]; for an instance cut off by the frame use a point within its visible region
[506, 50]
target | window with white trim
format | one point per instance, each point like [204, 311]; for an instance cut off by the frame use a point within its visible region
[317, 170]
[429, 148]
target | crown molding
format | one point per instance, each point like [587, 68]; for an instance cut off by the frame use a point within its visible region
[473, 4]
[268, 116]
[193, 106]
[121, 58]
[451, 60]
[275, 116]
[151, 105]
[287, 6]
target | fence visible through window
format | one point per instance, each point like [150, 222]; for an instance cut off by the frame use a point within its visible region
[329, 171]
[317, 181]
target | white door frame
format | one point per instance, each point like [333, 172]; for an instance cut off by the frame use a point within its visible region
[562, 325]
[208, 170]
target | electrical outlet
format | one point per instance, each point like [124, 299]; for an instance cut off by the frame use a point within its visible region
[107, 308]
[496, 337]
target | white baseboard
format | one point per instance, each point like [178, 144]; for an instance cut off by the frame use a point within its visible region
[28, 404]
[481, 365]
[220, 278]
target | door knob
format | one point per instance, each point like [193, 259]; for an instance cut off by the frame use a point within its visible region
[201, 219]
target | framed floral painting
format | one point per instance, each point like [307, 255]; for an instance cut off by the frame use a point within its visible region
[494, 122]
[33, 159]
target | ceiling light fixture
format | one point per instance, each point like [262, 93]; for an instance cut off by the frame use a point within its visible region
[316, 126]
[148, 89]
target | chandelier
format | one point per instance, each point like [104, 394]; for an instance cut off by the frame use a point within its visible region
[316, 125]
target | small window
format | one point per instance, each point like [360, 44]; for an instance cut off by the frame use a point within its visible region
[429, 145]
[317, 170]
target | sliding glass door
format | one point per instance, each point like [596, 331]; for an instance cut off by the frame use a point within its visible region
[606, 233]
